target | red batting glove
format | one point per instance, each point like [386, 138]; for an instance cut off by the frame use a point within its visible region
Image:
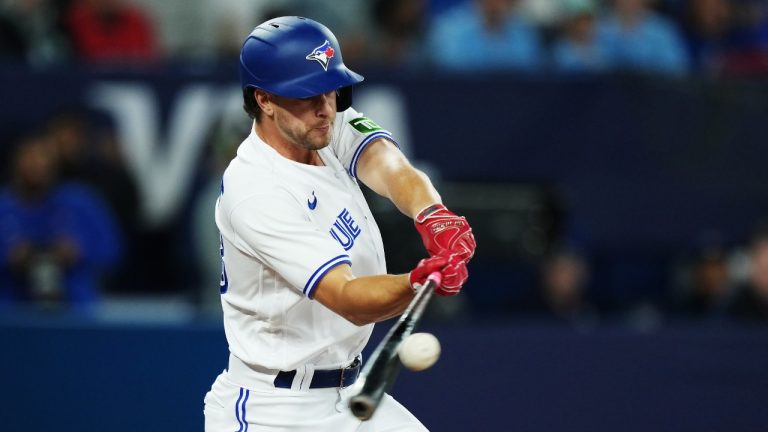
[454, 276]
[452, 267]
[443, 231]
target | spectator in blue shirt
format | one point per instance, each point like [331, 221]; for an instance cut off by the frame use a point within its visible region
[56, 240]
[578, 49]
[483, 35]
[707, 25]
[638, 39]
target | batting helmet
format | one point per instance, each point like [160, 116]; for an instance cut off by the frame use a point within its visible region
[296, 57]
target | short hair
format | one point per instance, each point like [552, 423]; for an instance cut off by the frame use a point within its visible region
[250, 106]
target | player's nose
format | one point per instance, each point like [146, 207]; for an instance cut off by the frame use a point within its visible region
[326, 103]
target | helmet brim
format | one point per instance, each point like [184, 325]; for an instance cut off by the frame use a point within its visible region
[315, 84]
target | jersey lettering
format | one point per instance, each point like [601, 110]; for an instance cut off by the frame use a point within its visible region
[345, 230]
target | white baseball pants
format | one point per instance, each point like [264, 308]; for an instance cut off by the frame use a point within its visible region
[230, 407]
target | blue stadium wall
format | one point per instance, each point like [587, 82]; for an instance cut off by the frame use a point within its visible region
[79, 376]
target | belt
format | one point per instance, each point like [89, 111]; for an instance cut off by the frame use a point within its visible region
[323, 378]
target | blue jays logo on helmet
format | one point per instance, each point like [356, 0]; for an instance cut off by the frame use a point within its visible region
[322, 54]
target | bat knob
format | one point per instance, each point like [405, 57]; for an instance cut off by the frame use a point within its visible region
[435, 277]
[362, 407]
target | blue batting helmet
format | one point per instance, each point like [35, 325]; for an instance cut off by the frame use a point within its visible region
[296, 57]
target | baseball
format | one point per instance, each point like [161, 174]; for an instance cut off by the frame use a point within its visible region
[419, 351]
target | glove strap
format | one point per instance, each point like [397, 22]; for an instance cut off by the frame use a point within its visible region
[426, 212]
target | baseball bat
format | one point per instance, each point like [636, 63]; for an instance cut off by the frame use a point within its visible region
[381, 370]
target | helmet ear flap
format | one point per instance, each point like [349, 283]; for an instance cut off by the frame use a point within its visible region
[343, 98]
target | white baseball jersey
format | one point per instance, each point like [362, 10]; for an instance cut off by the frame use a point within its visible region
[283, 226]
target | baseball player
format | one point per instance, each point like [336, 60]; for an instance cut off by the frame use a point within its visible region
[303, 274]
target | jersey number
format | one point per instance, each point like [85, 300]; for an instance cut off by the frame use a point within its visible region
[223, 282]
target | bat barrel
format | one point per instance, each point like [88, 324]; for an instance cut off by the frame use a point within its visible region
[380, 371]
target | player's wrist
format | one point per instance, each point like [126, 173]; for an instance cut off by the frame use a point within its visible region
[427, 211]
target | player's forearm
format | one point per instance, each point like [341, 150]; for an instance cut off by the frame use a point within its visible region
[411, 191]
[372, 299]
[388, 172]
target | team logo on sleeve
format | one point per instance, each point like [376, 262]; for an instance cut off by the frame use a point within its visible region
[345, 230]
[364, 125]
[322, 54]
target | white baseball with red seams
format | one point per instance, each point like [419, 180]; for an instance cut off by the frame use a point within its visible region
[419, 351]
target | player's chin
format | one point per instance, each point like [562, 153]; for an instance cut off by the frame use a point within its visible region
[319, 139]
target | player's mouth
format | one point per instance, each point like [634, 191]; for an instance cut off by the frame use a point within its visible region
[323, 129]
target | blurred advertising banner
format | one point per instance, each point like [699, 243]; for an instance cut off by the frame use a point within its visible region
[650, 163]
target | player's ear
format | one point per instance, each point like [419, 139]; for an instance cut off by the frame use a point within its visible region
[264, 100]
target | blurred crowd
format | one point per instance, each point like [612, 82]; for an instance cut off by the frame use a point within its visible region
[69, 223]
[712, 281]
[676, 37]
[67, 214]
[70, 232]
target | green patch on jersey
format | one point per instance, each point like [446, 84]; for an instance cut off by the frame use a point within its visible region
[364, 125]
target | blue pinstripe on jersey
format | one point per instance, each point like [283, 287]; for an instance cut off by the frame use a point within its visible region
[237, 410]
[245, 422]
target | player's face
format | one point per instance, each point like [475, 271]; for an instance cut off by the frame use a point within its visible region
[307, 123]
